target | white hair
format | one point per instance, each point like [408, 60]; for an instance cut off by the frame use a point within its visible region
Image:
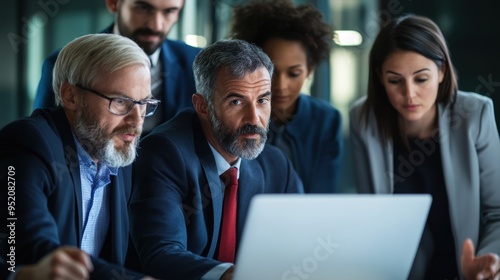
[83, 60]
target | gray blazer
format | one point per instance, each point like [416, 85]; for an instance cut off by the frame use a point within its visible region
[470, 152]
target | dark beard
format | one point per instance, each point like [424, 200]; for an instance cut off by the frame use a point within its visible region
[148, 48]
[249, 148]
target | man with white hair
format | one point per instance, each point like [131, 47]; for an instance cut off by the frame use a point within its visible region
[146, 22]
[68, 167]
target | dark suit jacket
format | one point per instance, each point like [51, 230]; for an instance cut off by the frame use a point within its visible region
[176, 203]
[48, 197]
[177, 73]
[315, 137]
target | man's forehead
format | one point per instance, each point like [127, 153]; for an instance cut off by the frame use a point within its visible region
[229, 73]
[133, 81]
[159, 3]
[260, 78]
[242, 90]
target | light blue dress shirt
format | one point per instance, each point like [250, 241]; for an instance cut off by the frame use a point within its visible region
[95, 201]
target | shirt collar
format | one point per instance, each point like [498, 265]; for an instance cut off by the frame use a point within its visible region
[222, 164]
[154, 57]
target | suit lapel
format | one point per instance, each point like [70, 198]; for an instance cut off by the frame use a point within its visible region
[72, 164]
[75, 176]
[387, 184]
[117, 225]
[250, 183]
[445, 113]
[207, 162]
[382, 176]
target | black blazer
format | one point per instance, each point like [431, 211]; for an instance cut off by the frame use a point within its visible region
[176, 203]
[48, 198]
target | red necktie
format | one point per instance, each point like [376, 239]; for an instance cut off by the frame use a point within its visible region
[227, 242]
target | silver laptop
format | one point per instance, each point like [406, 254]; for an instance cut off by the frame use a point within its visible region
[331, 236]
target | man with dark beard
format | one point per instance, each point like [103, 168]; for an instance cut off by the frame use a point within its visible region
[66, 168]
[146, 22]
[181, 226]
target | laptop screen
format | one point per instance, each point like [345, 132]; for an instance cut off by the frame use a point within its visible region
[331, 236]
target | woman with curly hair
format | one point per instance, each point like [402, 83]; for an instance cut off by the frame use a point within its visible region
[306, 129]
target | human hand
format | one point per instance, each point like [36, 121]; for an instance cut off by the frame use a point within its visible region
[63, 263]
[228, 275]
[478, 268]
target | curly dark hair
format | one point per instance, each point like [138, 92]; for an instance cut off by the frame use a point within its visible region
[261, 20]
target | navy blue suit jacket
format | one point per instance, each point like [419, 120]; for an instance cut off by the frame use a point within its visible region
[176, 203]
[177, 72]
[48, 198]
[315, 137]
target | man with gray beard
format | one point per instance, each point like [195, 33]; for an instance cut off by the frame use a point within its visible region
[148, 23]
[66, 167]
[187, 216]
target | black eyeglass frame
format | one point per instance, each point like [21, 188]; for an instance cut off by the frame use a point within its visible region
[147, 102]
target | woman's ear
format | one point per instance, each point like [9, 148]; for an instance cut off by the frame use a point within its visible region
[442, 71]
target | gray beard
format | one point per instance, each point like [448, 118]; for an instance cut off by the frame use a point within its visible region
[249, 149]
[99, 145]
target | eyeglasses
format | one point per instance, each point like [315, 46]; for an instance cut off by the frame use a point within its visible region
[121, 106]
